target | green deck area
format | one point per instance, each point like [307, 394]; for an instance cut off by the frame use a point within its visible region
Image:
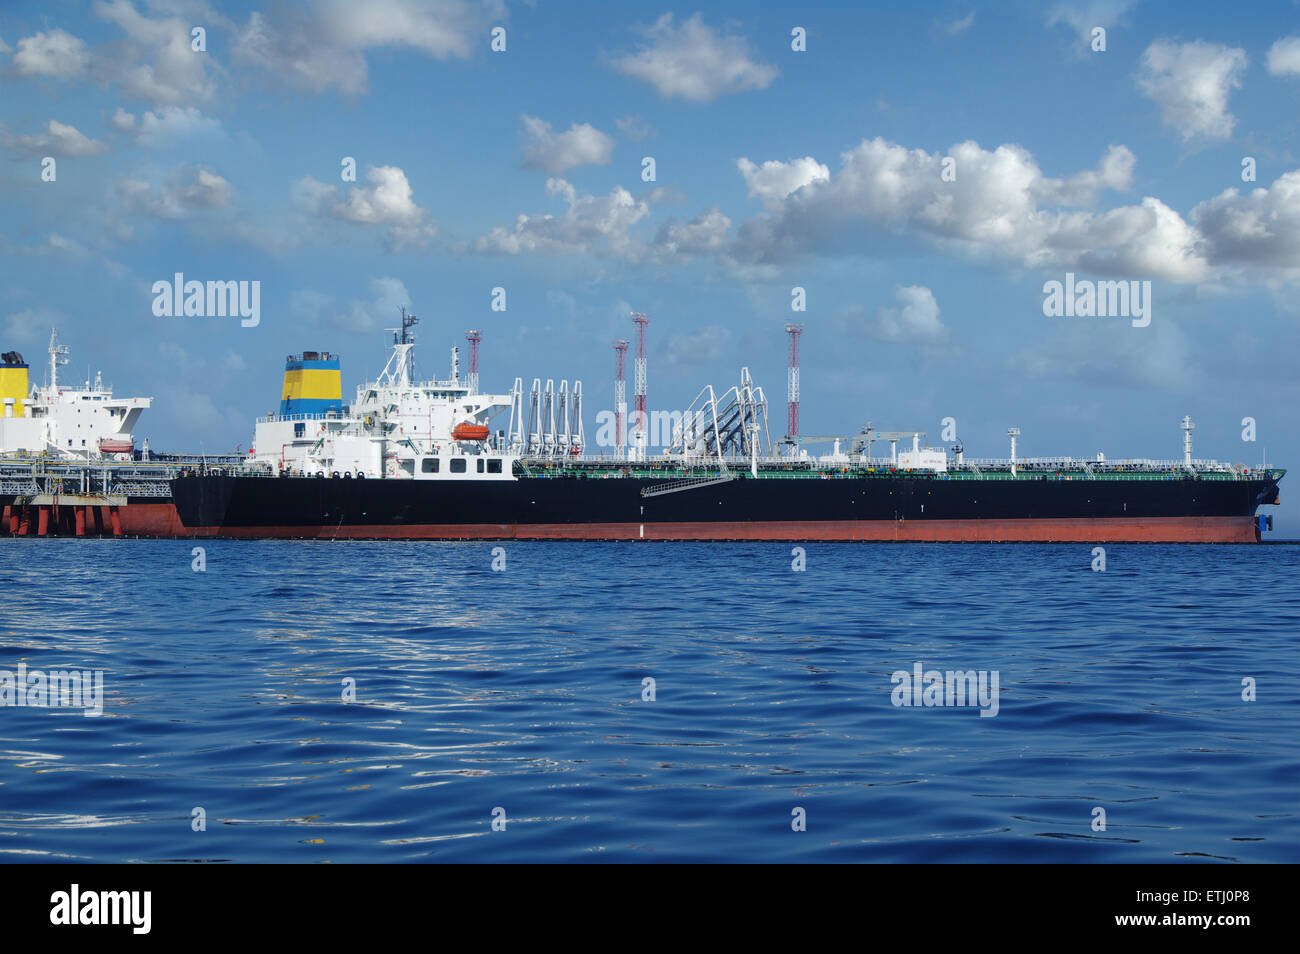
[740, 469]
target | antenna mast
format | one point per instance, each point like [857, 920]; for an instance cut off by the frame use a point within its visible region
[58, 358]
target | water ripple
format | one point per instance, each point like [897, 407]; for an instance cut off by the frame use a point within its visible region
[471, 691]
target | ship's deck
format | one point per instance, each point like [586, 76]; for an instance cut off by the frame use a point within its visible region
[819, 470]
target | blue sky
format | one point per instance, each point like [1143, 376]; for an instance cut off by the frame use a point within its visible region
[774, 169]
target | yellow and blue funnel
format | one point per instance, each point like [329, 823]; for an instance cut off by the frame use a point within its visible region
[313, 384]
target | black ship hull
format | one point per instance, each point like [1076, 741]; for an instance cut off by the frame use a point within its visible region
[771, 507]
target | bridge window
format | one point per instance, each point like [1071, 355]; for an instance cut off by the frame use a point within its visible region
[429, 465]
[494, 465]
[480, 465]
[458, 465]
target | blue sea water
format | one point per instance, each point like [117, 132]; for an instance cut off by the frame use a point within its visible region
[522, 690]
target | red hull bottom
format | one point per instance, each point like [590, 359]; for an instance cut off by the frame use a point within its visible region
[161, 520]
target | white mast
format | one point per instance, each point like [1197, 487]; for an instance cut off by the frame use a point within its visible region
[1188, 426]
[58, 357]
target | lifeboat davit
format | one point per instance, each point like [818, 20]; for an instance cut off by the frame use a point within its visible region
[108, 445]
[470, 432]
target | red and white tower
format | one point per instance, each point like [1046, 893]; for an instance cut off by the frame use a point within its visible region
[620, 398]
[474, 338]
[792, 390]
[641, 424]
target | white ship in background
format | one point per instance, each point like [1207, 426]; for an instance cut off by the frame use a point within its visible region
[62, 420]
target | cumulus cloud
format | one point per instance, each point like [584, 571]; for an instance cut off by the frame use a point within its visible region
[1259, 227]
[156, 62]
[915, 317]
[389, 202]
[57, 53]
[598, 224]
[388, 296]
[553, 152]
[707, 232]
[1284, 57]
[153, 61]
[187, 189]
[324, 46]
[773, 180]
[58, 140]
[1000, 206]
[1191, 82]
[695, 62]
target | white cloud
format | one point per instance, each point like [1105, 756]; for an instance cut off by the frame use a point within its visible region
[1147, 240]
[915, 318]
[1191, 82]
[123, 121]
[174, 123]
[695, 62]
[57, 53]
[591, 224]
[58, 140]
[707, 232]
[389, 202]
[157, 63]
[388, 296]
[1114, 172]
[773, 180]
[203, 190]
[168, 126]
[554, 152]
[1258, 228]
[324, 46]
[1284, 57]
[185, 190]
[1084, 17]
[1000, 206]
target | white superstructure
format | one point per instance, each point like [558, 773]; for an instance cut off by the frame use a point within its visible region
[397, 426]
[67, 421]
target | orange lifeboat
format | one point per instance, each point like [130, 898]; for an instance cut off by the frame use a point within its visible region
[470, 432]
[110, 446]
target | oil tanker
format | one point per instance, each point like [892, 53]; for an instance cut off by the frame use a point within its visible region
[412, 459]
